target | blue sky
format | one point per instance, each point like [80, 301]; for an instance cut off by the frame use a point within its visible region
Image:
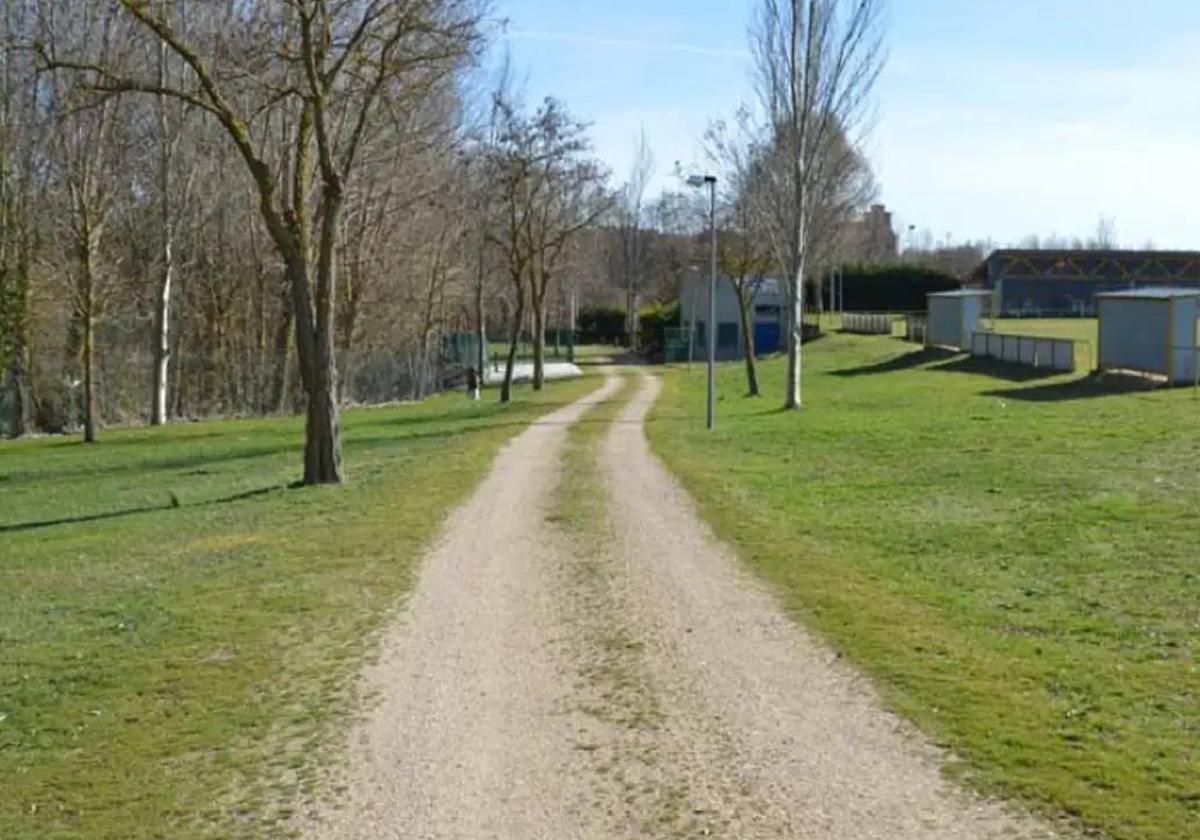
[994, 118]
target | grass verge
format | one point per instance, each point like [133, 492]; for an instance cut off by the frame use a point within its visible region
[178, 631]
[1012, 557]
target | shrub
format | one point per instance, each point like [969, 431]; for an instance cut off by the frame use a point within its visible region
[653, 321]
[894, 287]
[602, 325]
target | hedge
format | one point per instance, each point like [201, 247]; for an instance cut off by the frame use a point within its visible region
[888, 288]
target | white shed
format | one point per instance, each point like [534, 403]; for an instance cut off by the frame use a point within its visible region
[954, 317]
[1150, 330]
[768, 316]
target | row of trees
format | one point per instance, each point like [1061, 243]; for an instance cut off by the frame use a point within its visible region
[255, 206]
[250, 207]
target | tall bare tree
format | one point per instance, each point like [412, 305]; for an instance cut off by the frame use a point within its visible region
[168, 138]
[632, 234]
[22, 139]
[549, 191]
[743, 255]
[86, 147]
[817, 62]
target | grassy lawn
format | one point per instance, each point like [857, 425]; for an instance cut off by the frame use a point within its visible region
[597, 354]
[1013, 559]
[178, 631]
[1076, 329]
[1084, 331]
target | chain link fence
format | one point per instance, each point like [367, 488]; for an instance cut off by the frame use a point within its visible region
[243, 382]
[233, 384]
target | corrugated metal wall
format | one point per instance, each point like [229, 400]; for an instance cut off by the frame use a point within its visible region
[1133, 334]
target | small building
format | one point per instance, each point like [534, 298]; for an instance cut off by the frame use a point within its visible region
[1065, 283]
[954, 317]
[1152, 331]
[768, 312]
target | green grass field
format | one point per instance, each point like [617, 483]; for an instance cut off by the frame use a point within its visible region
[1076, 329]
[1083, 331]
[1013, 558]
[172, 671]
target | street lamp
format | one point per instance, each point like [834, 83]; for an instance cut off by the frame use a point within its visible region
[699, 181]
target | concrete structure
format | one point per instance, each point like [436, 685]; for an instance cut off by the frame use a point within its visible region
[523, 371]
[1035, 351]
[768, 313]
[1065, 283]
[1150, 331]
[954, 317]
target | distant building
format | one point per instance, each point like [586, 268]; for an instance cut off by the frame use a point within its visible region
[870, 238]
[1065, 283]
[768, 312]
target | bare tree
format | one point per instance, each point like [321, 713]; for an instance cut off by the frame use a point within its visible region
[743, 255]
[549, 191]
[817, 62]
[632, 234]
[168, 138]
[334, 67]
[22, 138]
[1105, 236]
[85, 149]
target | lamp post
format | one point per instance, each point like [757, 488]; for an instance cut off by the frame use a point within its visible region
[698, 181]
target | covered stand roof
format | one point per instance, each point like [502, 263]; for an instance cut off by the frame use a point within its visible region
[1076, 264]
[1158, 293]
[961, 293]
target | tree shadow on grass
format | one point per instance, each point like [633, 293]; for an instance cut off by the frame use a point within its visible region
[173, 504]
[908, 361]
[483, 410]
[1092, 386]
[1008, 371]
[197, 462]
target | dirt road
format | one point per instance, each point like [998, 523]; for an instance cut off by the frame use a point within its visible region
[545, 684]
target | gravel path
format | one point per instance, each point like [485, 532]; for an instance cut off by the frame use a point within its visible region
[466, 739]
[627, 682]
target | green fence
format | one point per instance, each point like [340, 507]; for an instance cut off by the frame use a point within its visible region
[678, 344]
[560, 347]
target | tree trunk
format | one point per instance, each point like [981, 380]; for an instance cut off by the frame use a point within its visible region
[90, 421]
[18, 389]
[631, 319]
[518, 318]
[281, 351]
[744, 300]
[162, 344]
[480, 321]
[314, 341]
[794, 398]
[539, 349]
[318, 373]
[18, 368]
[539, 334]
[162, 311]
[323, 446]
